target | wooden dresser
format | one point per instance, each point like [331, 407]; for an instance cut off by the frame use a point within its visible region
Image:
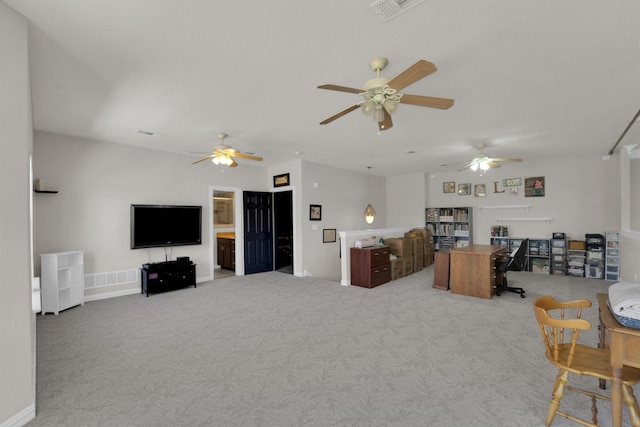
[370, 267]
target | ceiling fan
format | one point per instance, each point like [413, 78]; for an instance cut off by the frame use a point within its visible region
[223, 154]
[381, 95]
[482, 161]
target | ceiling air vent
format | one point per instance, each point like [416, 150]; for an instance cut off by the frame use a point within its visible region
[389, 9]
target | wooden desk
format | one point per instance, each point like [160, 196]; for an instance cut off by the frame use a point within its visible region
[473, 270]
[624, 344]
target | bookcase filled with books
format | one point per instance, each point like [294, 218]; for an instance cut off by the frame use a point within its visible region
[450, 227]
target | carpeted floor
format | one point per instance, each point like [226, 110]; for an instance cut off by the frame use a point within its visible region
[272, 349]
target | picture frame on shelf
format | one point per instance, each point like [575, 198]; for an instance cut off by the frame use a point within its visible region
[449, 187]
[281, 180]
[464, 189]
[328, 235]
[315, 212]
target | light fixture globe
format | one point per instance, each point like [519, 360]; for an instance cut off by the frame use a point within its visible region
[369, 214]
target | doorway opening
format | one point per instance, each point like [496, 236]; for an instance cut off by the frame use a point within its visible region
[226, 231]
[283, 231]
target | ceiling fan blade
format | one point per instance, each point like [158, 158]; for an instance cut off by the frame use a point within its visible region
[341, 88]
[340, 114]
[502, 159]
[446, 165]
[467, 166]
[426, 101]
[246, 156]
[203, 159]
[412, 74]
[493, 164]
[233, 164]
[387, 123]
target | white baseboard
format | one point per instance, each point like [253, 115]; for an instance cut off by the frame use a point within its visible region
[21, 418]
[106, 295]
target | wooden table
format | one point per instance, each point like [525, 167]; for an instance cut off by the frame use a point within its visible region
[473, 270]
[624, 344]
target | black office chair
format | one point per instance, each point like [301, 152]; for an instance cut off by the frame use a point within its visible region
[515, 262]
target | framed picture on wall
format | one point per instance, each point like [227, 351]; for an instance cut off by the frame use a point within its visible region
[328, 235]
[281, 180]
[464, 189]
[448, 187]
[315, 212]
[480, 190]
[534, 187]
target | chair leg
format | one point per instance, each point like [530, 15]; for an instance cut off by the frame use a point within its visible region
[632, 405]
[558, 392]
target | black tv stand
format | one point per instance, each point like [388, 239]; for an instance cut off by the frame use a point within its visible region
[167, 276]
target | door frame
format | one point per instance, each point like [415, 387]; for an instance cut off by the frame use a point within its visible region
[238, 219]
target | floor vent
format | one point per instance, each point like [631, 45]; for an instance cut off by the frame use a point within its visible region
[111, 278]
[389, 9]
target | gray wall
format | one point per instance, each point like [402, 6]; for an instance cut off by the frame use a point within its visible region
[97, 182]
[17, 345]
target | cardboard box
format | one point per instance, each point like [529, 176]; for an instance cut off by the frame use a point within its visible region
[408, 266]
[418, 262]
[399, 247]
[397, 268]
[579, 245]
[417, 245]
[427, 259]
[422, 232]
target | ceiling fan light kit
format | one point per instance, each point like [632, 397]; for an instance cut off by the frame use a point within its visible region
[223, 154]
[381, 97]
[482, 162]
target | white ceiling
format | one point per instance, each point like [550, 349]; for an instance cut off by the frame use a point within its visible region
[530, 78]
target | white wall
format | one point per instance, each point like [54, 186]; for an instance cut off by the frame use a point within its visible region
[343, 195]
[406, 199]
[581, 196]
[97, 183]
[17, 322]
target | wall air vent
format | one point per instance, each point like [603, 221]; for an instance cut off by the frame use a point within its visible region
[389, 9]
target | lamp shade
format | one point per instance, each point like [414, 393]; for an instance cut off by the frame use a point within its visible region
[369, 214]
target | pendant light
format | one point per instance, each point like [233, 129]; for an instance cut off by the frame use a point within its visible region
[369, 213]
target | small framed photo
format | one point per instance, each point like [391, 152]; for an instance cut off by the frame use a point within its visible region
[328, 235]
[480, 190]
[448, 187]
[464, 189]
[315, 212]
[281, 180]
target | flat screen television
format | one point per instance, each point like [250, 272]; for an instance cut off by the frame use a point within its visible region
[165, 225]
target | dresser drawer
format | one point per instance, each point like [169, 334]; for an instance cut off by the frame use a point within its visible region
[379, 256]
[380, 275]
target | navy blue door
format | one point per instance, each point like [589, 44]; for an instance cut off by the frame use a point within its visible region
[258, 235]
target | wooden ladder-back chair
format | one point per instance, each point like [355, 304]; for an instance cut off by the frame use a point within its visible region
[560, 335]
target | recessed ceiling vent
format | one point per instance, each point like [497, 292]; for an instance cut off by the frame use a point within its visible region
[389, 9]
